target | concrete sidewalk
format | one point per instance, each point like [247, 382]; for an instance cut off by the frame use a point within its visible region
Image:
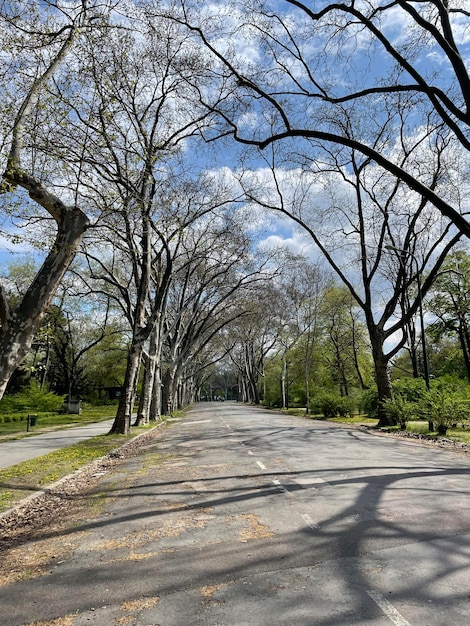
[19, 450]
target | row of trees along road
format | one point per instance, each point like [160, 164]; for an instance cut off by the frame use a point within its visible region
[102, 105]
[352, 96]
[318, 354]
[304, 343]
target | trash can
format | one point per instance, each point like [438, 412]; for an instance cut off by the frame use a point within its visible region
[33, 420]
[74, 407]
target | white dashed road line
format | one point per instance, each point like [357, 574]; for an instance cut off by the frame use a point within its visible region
[312, 525]
[388, 609]
[282, 487]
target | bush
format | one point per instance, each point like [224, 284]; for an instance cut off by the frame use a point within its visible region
[325, 403]
[331, 404]
[369, 402]
[346, 406]
[446, 407]
[409, 389]
[400, 410]
[31, 399]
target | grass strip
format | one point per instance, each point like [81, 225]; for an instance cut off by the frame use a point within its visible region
[15, 427]
[462, 435]
[19, 481]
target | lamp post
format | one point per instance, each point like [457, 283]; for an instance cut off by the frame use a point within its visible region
[420, 309]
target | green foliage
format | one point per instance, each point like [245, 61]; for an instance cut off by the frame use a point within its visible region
[445, 404]
[446, 407]
[399, 410]
[368, 402]
[331, 404]
[31, 399]
[346, 406]
[409, 389]
[15, 423]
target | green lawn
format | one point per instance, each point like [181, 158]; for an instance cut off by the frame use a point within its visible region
[14, 425]
[19, 481]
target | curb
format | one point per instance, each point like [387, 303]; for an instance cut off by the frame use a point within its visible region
[95, 468]
[442, 443]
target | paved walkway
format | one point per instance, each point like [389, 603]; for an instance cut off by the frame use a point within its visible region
[19, 450]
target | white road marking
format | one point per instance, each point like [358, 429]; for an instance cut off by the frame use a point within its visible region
[281, 486]
[308, 481]
[198, 422]
[388, 609]
[261, 465]
[312, 525]
[251, 453]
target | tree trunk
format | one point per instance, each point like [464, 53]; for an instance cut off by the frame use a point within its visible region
[284, 382]
[19, 328]
[122, 421]
[384, 385]
[166, 392]
[146, 394]
[151, 361]
[156, 406]
[464, 344]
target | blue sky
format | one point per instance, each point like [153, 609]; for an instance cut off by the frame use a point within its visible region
[337, 63]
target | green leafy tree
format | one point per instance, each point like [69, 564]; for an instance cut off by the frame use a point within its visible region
[450, 303]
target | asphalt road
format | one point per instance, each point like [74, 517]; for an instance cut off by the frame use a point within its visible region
[19, 450]
[235, 516]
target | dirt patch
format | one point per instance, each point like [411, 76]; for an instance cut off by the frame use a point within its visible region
[34, 559]
[67, 620]
[139, 605]
[137, 539]
[255, 529]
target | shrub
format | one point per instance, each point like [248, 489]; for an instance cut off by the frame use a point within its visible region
[31, 399]
[328, 403]
[409, 389]
[331, 404]
[400, 410]
[346, 406]
[369, 402]
[446, 407]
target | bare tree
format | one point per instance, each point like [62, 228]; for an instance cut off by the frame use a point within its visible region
[250, 339]
[313, 69]
[133, 117]
[353, 212]
[38, 40]
[214, 286]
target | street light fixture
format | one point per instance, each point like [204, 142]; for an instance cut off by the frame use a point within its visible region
[420, 308]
